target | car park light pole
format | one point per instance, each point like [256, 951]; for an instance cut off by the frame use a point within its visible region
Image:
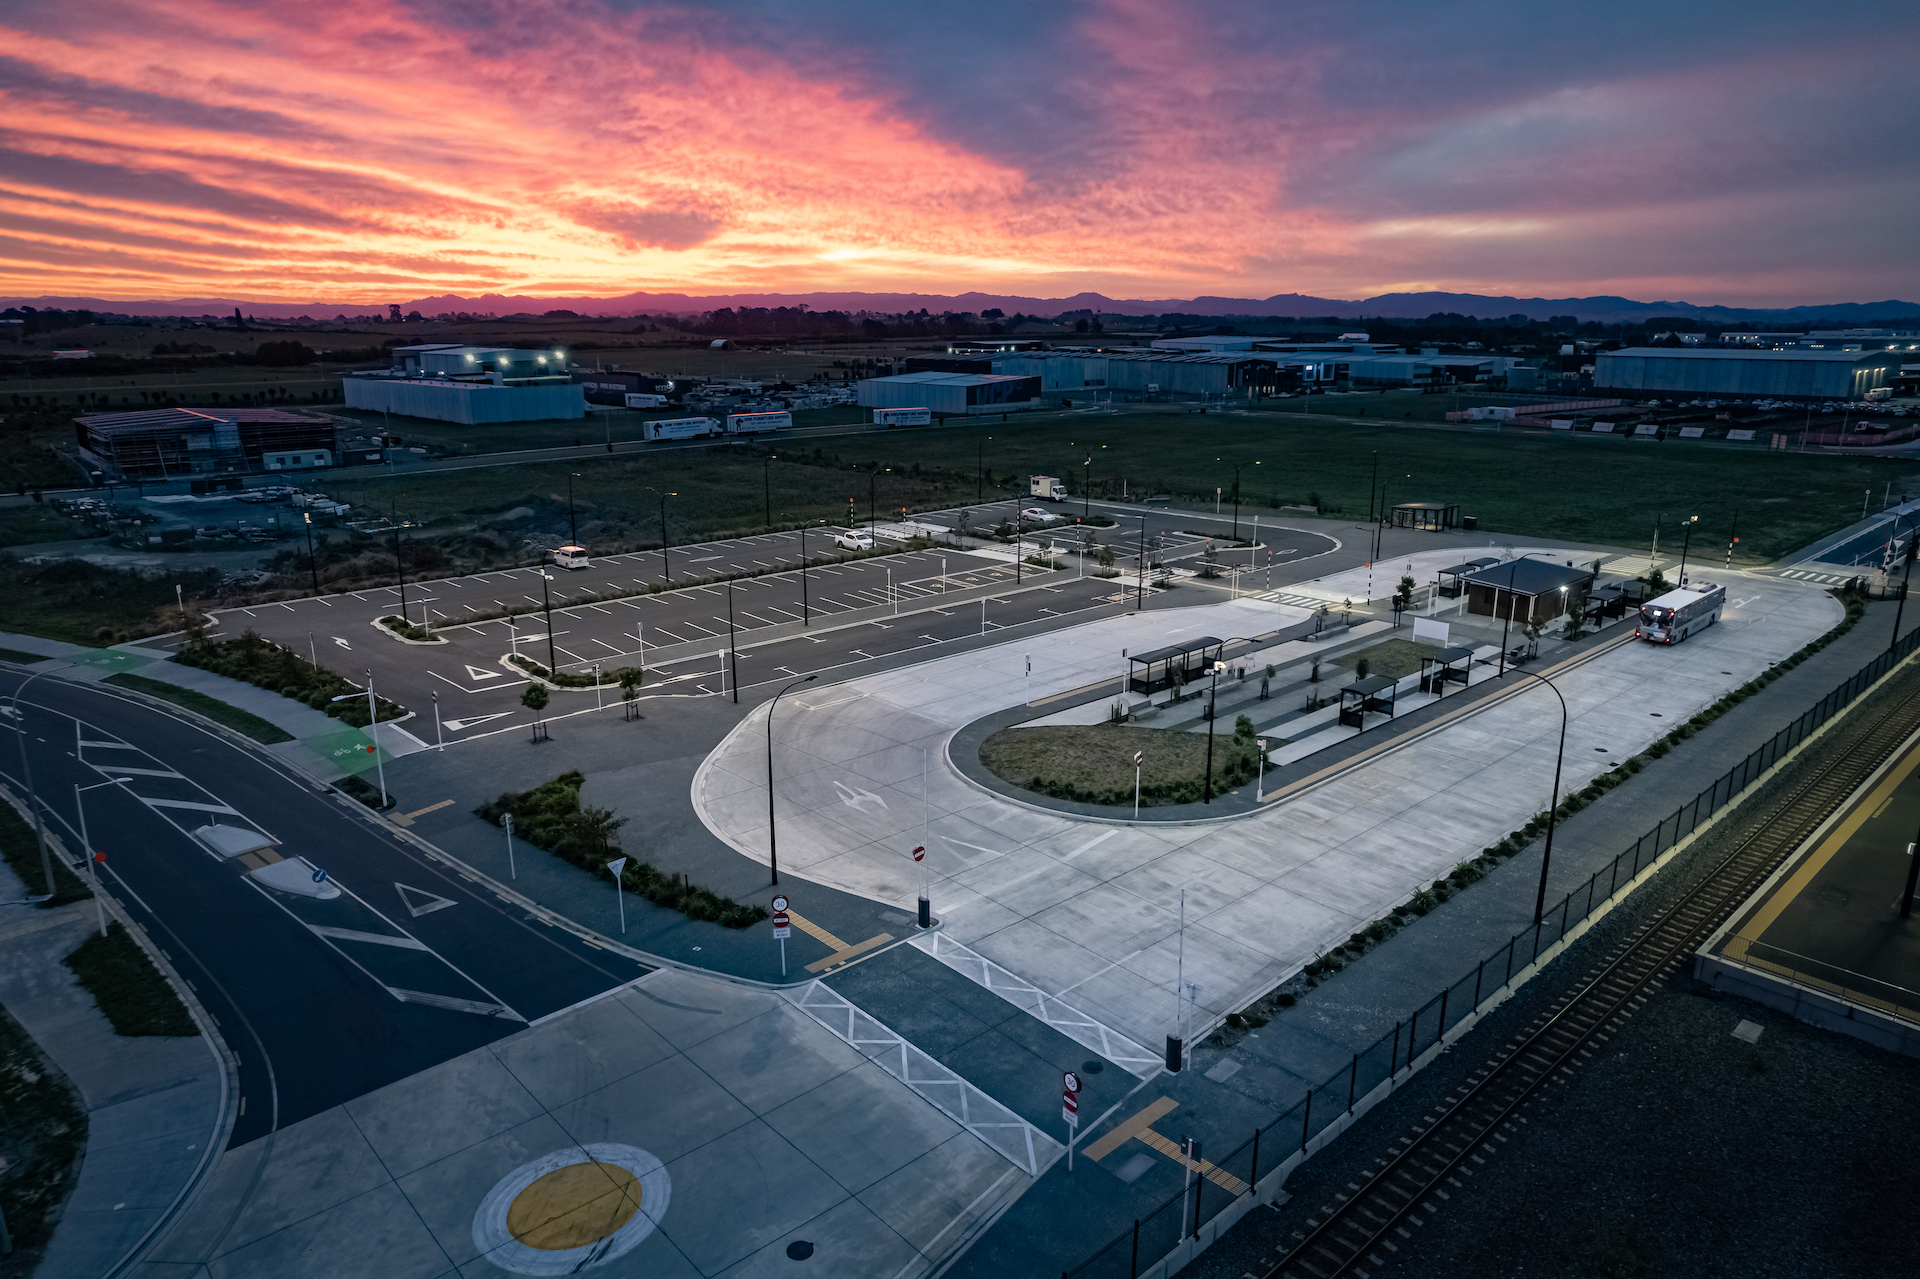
[1687, 541]
[666, 575]
[573, 525]
[546, 597]
[1236, 494]
[773, 844]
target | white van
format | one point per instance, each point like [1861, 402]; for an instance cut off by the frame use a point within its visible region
[638, 400]
[570, 556]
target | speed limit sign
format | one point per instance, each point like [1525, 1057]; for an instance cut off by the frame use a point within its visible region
[782, 922]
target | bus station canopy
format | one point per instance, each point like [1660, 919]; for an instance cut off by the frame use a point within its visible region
[1189, 659]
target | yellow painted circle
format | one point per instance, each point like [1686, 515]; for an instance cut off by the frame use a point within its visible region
[573, 1206]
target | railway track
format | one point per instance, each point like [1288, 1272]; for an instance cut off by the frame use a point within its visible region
[1367, 1223]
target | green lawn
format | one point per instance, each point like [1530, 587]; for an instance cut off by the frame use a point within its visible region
[1608, 490]
[126, 985]
[213, 708]
[20, 847]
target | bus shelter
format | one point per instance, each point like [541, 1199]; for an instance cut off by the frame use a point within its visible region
[1443, 667]
[1148, 673]
[1374, 693]
[1453, 580]
[1526, 590]
[1435, 517]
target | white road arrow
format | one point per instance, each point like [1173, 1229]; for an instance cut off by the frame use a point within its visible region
[474, 672]
[461, 725]
[342, 643]
[855, 798]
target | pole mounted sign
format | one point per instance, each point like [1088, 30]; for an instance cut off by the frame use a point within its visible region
[1070, 1109]
[782, 927]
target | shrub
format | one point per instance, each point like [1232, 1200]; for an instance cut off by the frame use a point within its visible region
[266, 665]
[550, 816]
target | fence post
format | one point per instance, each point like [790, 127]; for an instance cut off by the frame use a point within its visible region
[1199, 1184]
[1133, 1267]
[1509, 973]
[1613, 876]
[1352, 1079]
[1445, 991]
[1413, 1036]
[1253, 1172]
[1306, 1123]
[1393, 1058]
[1478, 973]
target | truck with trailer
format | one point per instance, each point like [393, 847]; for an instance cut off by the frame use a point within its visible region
[1679, 613]
[682, 428]
[891, 418]
[756, 423]
[1046, 488]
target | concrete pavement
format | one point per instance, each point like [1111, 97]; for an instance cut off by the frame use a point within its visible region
[1080, 919]
[754, 1125]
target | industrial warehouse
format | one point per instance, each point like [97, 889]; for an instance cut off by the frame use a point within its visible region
[175, 444]
[1798, 373]
[470, 384]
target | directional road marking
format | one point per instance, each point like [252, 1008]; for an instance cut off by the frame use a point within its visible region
[855, 798]
[461, 725]
[422, 902]
[474, 672]
[378, 939]
[342, 643]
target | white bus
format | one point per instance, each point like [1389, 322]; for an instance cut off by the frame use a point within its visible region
[902, 417]
[1678, 614]
[641, 400]
[682, 428]
[755, 423]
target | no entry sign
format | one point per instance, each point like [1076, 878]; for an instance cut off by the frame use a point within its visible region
[782, 922]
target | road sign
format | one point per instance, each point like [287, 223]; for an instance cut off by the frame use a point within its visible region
[920, 853]
[319, 874]
[1070, 1098]
[782, 921]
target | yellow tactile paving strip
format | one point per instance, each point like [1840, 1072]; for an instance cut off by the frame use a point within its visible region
[1141, 1126]
[574, 1206]
[842, 951]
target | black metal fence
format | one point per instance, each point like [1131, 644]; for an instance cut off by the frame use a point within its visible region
[1218, 1187]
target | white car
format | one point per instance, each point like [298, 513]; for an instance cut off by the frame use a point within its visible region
[1035, 515]
[853, 540]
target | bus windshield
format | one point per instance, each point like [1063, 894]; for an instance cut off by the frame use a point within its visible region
[1656, 615]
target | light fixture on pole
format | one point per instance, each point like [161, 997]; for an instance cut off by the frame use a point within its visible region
[1687, 541]
[617, 865]
[773, 845]
[546, 597]
[86, 847]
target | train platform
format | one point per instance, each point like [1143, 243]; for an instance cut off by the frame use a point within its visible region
[1824, 938]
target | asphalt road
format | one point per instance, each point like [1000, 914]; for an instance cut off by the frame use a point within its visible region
[320, 1001]
[850, 612]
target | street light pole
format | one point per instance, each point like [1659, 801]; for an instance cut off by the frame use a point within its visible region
[400, 571]
[766, 482]
[1140, 582]
[26, 772]
[86, 846]
[773, 845]
[733, 651]
[1213, 700]
[1685, 542]
[1546, 856]
[313, 564]
[666, 572]
[573, 524]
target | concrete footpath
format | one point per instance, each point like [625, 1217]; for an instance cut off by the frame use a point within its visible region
[157, 1108]
[323, 746]
[1228, 1091]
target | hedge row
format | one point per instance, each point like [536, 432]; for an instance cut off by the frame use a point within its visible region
[266, 665]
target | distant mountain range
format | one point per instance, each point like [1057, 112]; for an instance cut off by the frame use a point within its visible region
[1384, 306]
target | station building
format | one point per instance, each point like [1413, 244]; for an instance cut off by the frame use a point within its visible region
[1804, 373]
[470, 384]
[950, 394]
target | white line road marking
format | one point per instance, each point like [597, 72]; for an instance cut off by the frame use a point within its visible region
[342, 643]
[476, 673]
[378, 939]
[1095, 841]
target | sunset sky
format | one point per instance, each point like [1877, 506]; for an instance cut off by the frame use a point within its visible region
[1755, 154]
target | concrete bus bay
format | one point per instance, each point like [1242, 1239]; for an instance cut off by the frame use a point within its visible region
[1084, 913]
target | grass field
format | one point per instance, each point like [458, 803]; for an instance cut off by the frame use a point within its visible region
[126, 985]
[21, 850]
[1606, 490]
[1094, 763]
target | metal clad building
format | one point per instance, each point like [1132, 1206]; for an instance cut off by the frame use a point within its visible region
[1056, 372]
[1191, 374]
[167, 444]
[1796, 374]
[952, 394]
[469, 403]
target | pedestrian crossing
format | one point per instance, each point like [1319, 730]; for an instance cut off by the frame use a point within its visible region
[1824, 579]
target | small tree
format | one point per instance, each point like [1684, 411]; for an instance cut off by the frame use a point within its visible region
[1361, 667]
[1656, 582]
[534, 698]
[1403, 596]
[1211, 555]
